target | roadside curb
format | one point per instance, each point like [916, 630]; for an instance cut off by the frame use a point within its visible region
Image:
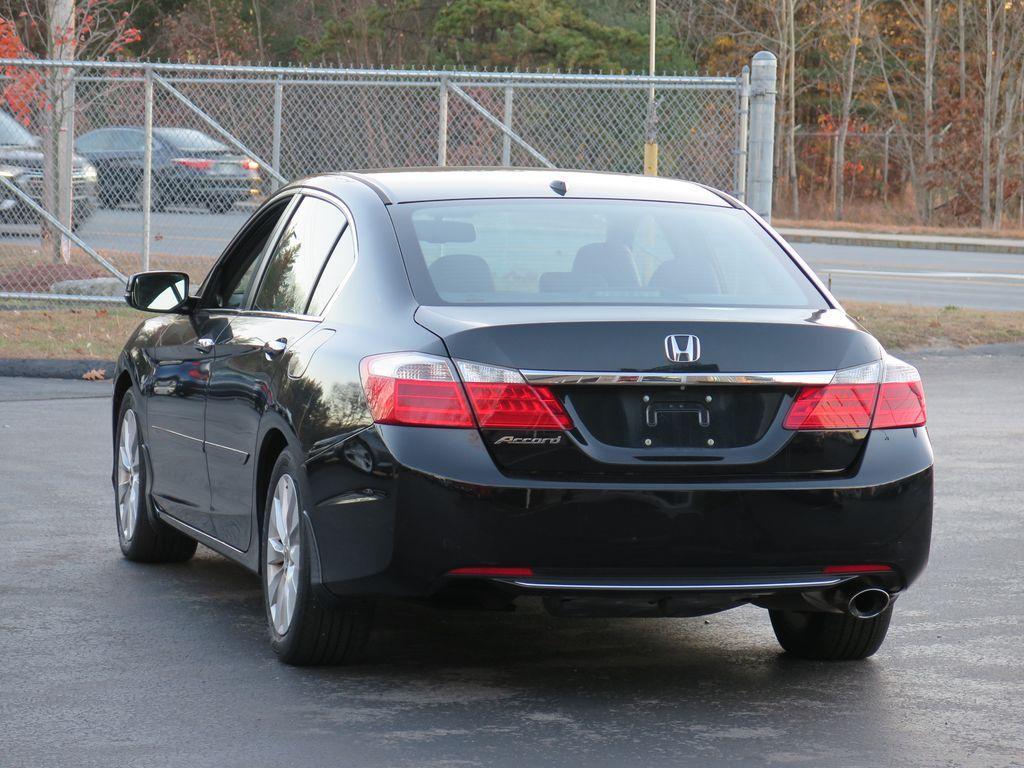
[54, 369]
[887, 240]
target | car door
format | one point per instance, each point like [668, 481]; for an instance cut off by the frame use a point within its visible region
[248, 365]
[176, 405]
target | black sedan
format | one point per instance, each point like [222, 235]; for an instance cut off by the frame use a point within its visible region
[618, 395]
[189, 168]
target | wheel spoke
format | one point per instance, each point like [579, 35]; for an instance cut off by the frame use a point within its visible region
[283, 553]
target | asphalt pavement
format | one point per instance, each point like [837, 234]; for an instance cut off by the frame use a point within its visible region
[202, 235]
[109, 663]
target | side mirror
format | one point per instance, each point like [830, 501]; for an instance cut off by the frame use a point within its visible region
[158, 292]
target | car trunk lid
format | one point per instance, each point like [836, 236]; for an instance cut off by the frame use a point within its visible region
[638, 414]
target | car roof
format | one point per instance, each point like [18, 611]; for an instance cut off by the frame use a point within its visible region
[417, 185]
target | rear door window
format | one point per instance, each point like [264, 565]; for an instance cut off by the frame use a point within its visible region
[299, 257]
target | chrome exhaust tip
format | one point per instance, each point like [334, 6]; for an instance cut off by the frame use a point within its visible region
[868, 603]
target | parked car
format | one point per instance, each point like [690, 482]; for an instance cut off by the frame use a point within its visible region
[21, 163]
[622, 395]
[189, 168]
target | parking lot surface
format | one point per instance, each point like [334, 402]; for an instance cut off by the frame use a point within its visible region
[109, 663]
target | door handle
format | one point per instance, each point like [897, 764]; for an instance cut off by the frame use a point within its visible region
[204, 345]
[274, 348]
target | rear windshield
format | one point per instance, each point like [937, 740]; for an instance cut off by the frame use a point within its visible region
[563, 251]
[188, 140]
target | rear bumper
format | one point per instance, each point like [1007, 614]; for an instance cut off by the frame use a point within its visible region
[413, 522]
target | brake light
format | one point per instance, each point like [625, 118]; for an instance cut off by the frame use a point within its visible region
[501, 399]
[195, 163]
[414, 390]
[423, 390]
[879, 395]
[250, 165]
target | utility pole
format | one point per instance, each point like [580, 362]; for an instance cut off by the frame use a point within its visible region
[63, 36]
[651, 142]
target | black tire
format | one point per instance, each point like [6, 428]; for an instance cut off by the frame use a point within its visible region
[151, 540]
[830, 636]
[320, 632]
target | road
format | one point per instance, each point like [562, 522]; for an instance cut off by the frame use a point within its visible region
[980, 293]
[109, 663]
[201, 234]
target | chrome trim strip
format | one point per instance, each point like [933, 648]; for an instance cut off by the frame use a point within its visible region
[177, 434]
[679, 379]
[227, 448]
[687, 586]
[195, 533]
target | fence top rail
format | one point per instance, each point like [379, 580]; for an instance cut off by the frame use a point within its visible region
[385, 74]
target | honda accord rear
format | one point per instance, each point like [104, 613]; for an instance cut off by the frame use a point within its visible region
[619, 396]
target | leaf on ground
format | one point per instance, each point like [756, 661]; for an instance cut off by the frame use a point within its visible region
[94, 374]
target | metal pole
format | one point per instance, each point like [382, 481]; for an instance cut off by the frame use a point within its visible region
[651, 142]
[885, 167]
[486, 115]
[762, 133]
[742, 134]
[147, 171]
[506, 140]
[275, 148]
[442, 124]
[63, 36]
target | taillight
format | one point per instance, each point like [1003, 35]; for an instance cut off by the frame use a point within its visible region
[423, 390]
[502, 399]
[195, 163]
[414, 390]
[881, 395]
[901, 397]
[250, 165]
[846, 403]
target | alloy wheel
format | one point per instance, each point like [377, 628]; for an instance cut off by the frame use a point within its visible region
[128, 475]
[283, 553]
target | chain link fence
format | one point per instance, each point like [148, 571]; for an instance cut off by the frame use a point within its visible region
[107, 168]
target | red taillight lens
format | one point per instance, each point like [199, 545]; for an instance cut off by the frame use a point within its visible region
[422, 390]
[843, 406]
[901, 399]
[250, 165]
[516, 406]
[195, 163]
[414, 390]
[501, 399]
[881, 396]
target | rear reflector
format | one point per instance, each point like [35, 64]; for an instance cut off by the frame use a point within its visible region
[491, 571]
[413, 389]
[883, 395]
[855, 568]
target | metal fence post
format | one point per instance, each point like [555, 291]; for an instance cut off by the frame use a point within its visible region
[65, 155]
[147, 170]
[442, 124]
[743, 118]
[761, 143]
[275, 146]
[506, 140]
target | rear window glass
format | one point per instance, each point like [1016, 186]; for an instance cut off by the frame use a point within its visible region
[532, 251]
[189, 140]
